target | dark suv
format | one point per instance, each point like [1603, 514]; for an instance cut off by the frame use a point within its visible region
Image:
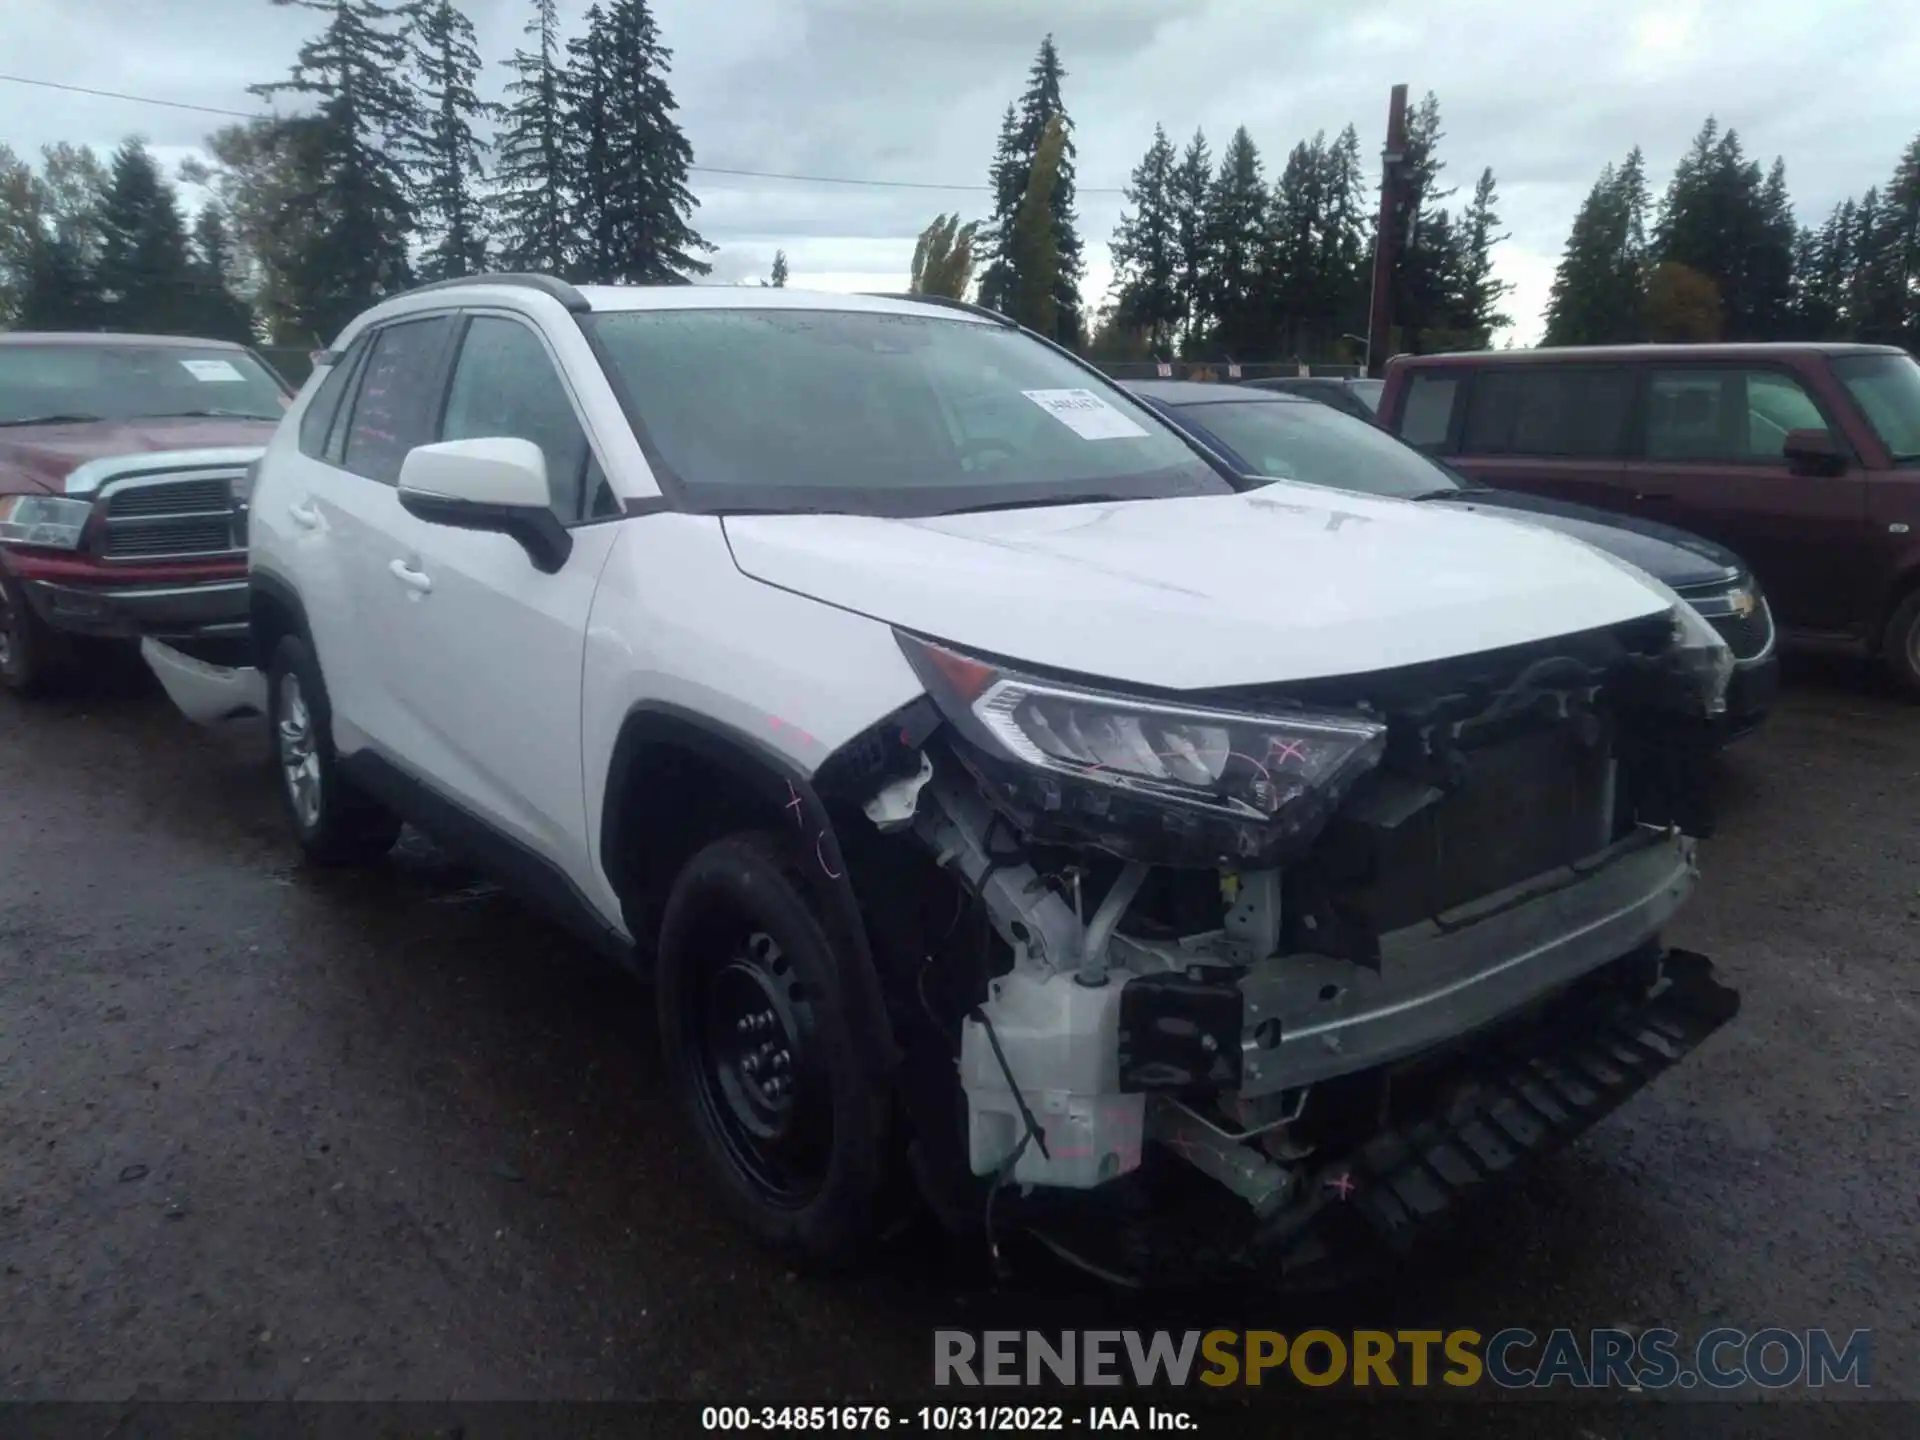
[1803, 458]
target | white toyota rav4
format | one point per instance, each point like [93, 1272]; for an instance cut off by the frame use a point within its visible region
[1186, 873]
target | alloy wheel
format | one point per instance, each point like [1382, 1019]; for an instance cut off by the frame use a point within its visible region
[299, 757]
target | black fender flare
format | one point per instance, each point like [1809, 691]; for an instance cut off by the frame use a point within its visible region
[789, 794]
[263, 583]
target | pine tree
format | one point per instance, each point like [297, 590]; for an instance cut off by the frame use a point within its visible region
[943, 257]
[361, 216]
[1293, 252]
[1146, 248]
[1235, 320]
[631, 201]
[1034, 254]
[1426, 270]
[1021, 132]
[1866, 307]
[532, 164]
[1338, 298]
[142, 274]
[1894, 283]
[778, 279]
[1479, 314]
[220, 312]
[1191, 184]
[443, 155]
[19, 229]
[1599, 286]
[1722, 219]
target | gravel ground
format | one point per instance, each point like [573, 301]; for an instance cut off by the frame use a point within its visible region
[269, 1134]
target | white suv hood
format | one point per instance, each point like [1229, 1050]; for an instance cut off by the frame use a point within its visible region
[1288, 582]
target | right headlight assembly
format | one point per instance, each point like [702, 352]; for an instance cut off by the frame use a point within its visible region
[1283, 772]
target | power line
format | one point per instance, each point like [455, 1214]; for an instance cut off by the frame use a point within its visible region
[136, 99]
[696, 169]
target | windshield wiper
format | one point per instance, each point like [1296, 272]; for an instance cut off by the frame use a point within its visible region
[1036, 502]
[73, 419]
[206, 415]
[1451, 492]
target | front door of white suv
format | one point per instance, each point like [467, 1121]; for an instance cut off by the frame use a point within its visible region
[480, 651]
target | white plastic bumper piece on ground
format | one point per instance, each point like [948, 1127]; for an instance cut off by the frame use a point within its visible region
[205, 694]
[1061, 1041]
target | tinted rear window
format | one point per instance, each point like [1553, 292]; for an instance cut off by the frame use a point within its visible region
[1555, 411]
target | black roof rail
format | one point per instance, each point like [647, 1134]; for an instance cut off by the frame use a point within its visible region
[948, 302]
[546, 284]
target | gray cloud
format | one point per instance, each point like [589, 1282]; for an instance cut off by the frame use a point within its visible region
[912, 90]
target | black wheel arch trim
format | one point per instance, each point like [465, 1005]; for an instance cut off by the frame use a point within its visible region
[788, 790]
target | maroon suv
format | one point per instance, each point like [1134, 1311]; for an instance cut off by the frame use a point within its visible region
[1804, 459]
[122, 474]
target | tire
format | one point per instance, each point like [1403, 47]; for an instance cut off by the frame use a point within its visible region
[33, 656]
[745, 974]
[1900, 651]
[332, 821]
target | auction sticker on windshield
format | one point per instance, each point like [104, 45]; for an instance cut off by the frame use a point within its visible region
[212, 370]
[1086, 414]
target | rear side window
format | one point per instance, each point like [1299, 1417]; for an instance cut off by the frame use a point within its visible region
[393, 407]
[1548, 410]
[317, 420]
[1730, 414]
[1427, 417]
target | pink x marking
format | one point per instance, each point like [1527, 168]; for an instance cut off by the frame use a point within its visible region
[795, 803]
[1342, 1185]
[1281, 751]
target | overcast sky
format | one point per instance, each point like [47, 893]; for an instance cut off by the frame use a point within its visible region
[912, 90]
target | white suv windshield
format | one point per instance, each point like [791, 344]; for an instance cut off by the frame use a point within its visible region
[752, 409]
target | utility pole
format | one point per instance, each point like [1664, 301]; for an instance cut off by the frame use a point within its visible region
[1393, 173]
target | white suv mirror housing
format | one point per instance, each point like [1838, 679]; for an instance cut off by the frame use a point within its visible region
[499, 470]
[498, 483]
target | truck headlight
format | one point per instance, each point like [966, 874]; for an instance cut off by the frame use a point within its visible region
[1285, 771]
[50, 521]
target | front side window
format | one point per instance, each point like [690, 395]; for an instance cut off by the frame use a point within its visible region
[391, 408]
[1318, 445]
[76, 383]
[1887, 389]
[1553, 411]
[780, 410]
[1728, 414]
[504, 384]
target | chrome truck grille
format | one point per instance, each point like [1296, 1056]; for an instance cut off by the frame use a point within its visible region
[177, 516]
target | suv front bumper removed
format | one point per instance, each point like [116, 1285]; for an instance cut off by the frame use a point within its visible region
[1458, 1125]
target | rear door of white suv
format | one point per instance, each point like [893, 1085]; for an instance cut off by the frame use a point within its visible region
[314, 527]
[481, 652]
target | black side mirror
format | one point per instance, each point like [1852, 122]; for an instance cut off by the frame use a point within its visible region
[1814, 452]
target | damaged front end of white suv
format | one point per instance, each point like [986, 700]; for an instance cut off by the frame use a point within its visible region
[1274, 976]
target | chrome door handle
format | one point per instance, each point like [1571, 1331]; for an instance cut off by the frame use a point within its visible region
[417, 581]
[305, 517]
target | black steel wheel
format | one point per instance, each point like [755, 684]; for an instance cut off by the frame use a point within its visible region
[778, 1086]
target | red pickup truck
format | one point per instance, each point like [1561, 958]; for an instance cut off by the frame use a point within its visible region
[1804, 459]
[123, 465]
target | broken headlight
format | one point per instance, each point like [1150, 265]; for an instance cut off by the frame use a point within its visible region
[1284, 772]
